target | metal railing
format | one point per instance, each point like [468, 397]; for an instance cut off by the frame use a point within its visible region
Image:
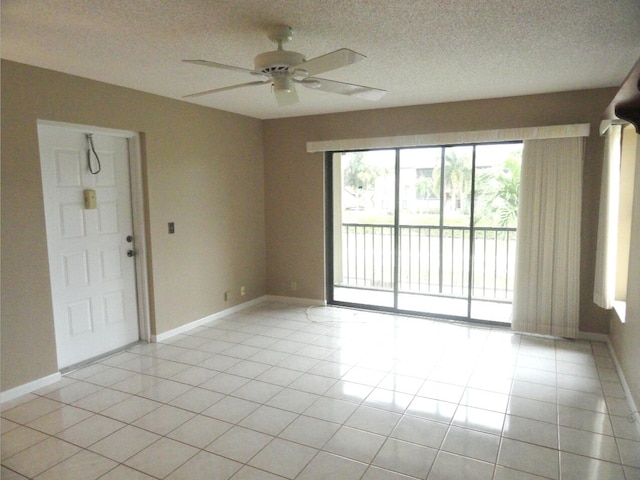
[431, 260]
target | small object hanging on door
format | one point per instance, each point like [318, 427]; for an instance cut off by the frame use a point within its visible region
[90, 149]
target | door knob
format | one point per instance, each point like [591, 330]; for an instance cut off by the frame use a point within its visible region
[130, 253]
[129, 238]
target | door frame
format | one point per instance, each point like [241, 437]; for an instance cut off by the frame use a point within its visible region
[330, 238]
[136, 187]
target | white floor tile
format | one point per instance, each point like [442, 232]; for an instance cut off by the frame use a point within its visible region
[84, 465]
[631, 473]
[331, 410]
[326, 466]
[269, 420]
[389, 400]
[40, 457]
[373, 420]
[199, 431]
[479, 419]
[131, 409]
[162, 457]
[257, 391]
[163, 419]
[504, 473]
[471, 443]
[33, 409]
[421, 431]
[629, 452]
[204, 465]
[578, 467]
[283, 458]
[534, 409]
[19, 439]
[432, 409]
[239, 444]
[310, 431]
[407, 458]
[376, 473]
[231, 409]
[453, 467]
[485, 400]
[250, 473]
[59, 419]
[355, 444]
[281, 392]
[125, 443]
[581, 419]
[602, 447]
[529, 458]
[89, 431]
[531, 431]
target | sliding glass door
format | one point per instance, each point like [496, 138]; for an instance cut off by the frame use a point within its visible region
[428, 230]
[364, 233]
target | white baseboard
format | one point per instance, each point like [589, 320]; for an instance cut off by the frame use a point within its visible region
[297, 301]
[593, 337]
[198, 323]
[20, 390]
[635, 414]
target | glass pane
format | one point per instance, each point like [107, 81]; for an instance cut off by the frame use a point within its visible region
[458, 162]
[495, 219]
[364, 209]
[432, 257]
[419, 222]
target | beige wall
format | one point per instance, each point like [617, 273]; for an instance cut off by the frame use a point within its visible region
[294, 179]
[625, 337]
[239, 220]
[204, 171]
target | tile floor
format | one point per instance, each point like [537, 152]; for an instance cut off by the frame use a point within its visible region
[285, 392]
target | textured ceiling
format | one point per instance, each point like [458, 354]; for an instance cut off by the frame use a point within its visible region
[421, 51]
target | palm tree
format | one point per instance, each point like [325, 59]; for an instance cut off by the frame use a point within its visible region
[498, 195]
[457, 179]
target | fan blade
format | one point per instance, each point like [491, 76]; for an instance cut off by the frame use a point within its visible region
[358, 91]
[207, 63]
[284, 98]
[223, 89]
[330, 61]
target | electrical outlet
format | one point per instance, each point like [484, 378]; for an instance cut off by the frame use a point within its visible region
[172, 228]
[294, 286]
[226, 296]
[243, 291]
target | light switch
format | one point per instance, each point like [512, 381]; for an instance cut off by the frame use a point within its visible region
[172, 228]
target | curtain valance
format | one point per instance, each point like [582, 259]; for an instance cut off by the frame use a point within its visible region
[452, 138]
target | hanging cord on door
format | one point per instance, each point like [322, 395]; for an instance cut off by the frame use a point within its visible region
[90, 149]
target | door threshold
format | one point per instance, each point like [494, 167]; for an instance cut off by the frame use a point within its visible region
[78, 366]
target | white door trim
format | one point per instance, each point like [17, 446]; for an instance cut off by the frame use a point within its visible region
[138, 214]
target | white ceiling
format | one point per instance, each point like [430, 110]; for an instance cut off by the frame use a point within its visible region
[421, 51]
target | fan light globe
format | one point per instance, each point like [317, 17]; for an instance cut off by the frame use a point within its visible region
[282, 83]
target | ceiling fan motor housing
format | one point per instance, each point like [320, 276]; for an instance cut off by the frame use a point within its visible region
[278, 61]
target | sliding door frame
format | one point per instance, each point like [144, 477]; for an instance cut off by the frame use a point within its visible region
[330, 247]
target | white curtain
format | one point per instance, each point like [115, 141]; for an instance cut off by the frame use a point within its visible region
[605, 278]
[546, 291]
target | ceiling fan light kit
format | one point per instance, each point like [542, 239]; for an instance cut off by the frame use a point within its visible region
[284, 68]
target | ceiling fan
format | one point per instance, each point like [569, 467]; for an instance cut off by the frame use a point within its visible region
[283, 69]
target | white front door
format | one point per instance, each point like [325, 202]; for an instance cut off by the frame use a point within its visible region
[90, 247]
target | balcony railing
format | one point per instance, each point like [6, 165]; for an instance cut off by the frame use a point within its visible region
[432, 260]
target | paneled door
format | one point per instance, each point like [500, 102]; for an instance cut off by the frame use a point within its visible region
[90, 242]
